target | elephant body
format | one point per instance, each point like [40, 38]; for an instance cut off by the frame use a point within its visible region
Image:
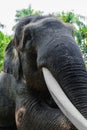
[41, 41]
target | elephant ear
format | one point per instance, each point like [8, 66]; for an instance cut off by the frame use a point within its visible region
[12, 62]
[23, 39]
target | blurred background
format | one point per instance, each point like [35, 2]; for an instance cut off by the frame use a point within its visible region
[69, 11]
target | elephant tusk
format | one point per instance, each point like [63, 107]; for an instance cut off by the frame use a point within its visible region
[63, 102]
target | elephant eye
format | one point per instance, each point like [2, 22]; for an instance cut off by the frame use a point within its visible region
[25, 40]
[27, 36]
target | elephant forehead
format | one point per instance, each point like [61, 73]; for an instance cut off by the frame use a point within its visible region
[43, 21]
[46, 23]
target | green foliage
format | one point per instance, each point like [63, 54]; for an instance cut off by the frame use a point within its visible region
[4, 40]
[24, 12]
[67, 17]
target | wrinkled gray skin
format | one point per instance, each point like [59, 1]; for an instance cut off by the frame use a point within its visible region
[38, 42]
[9, 95]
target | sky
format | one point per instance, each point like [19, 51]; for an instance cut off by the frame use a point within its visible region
[8, 9]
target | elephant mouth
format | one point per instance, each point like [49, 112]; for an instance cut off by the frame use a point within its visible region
[63, 102]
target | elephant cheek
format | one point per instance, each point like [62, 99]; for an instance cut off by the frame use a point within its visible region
[19, 116]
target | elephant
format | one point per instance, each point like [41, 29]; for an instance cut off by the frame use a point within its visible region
[46, 63]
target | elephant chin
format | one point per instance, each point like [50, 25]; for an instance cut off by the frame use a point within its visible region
[63, 102]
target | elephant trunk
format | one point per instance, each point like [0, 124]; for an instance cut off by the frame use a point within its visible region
[74, 83]
[66, 65]
[68, 107]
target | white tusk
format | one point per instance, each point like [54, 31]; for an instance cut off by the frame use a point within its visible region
[63, 102]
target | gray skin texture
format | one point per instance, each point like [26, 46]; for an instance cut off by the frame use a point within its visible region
[6, 103]
[43, 41]
[10, 92]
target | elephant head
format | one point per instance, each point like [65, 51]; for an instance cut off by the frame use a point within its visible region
[45, 55]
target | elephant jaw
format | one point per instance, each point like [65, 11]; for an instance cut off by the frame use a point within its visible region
[63, 102]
